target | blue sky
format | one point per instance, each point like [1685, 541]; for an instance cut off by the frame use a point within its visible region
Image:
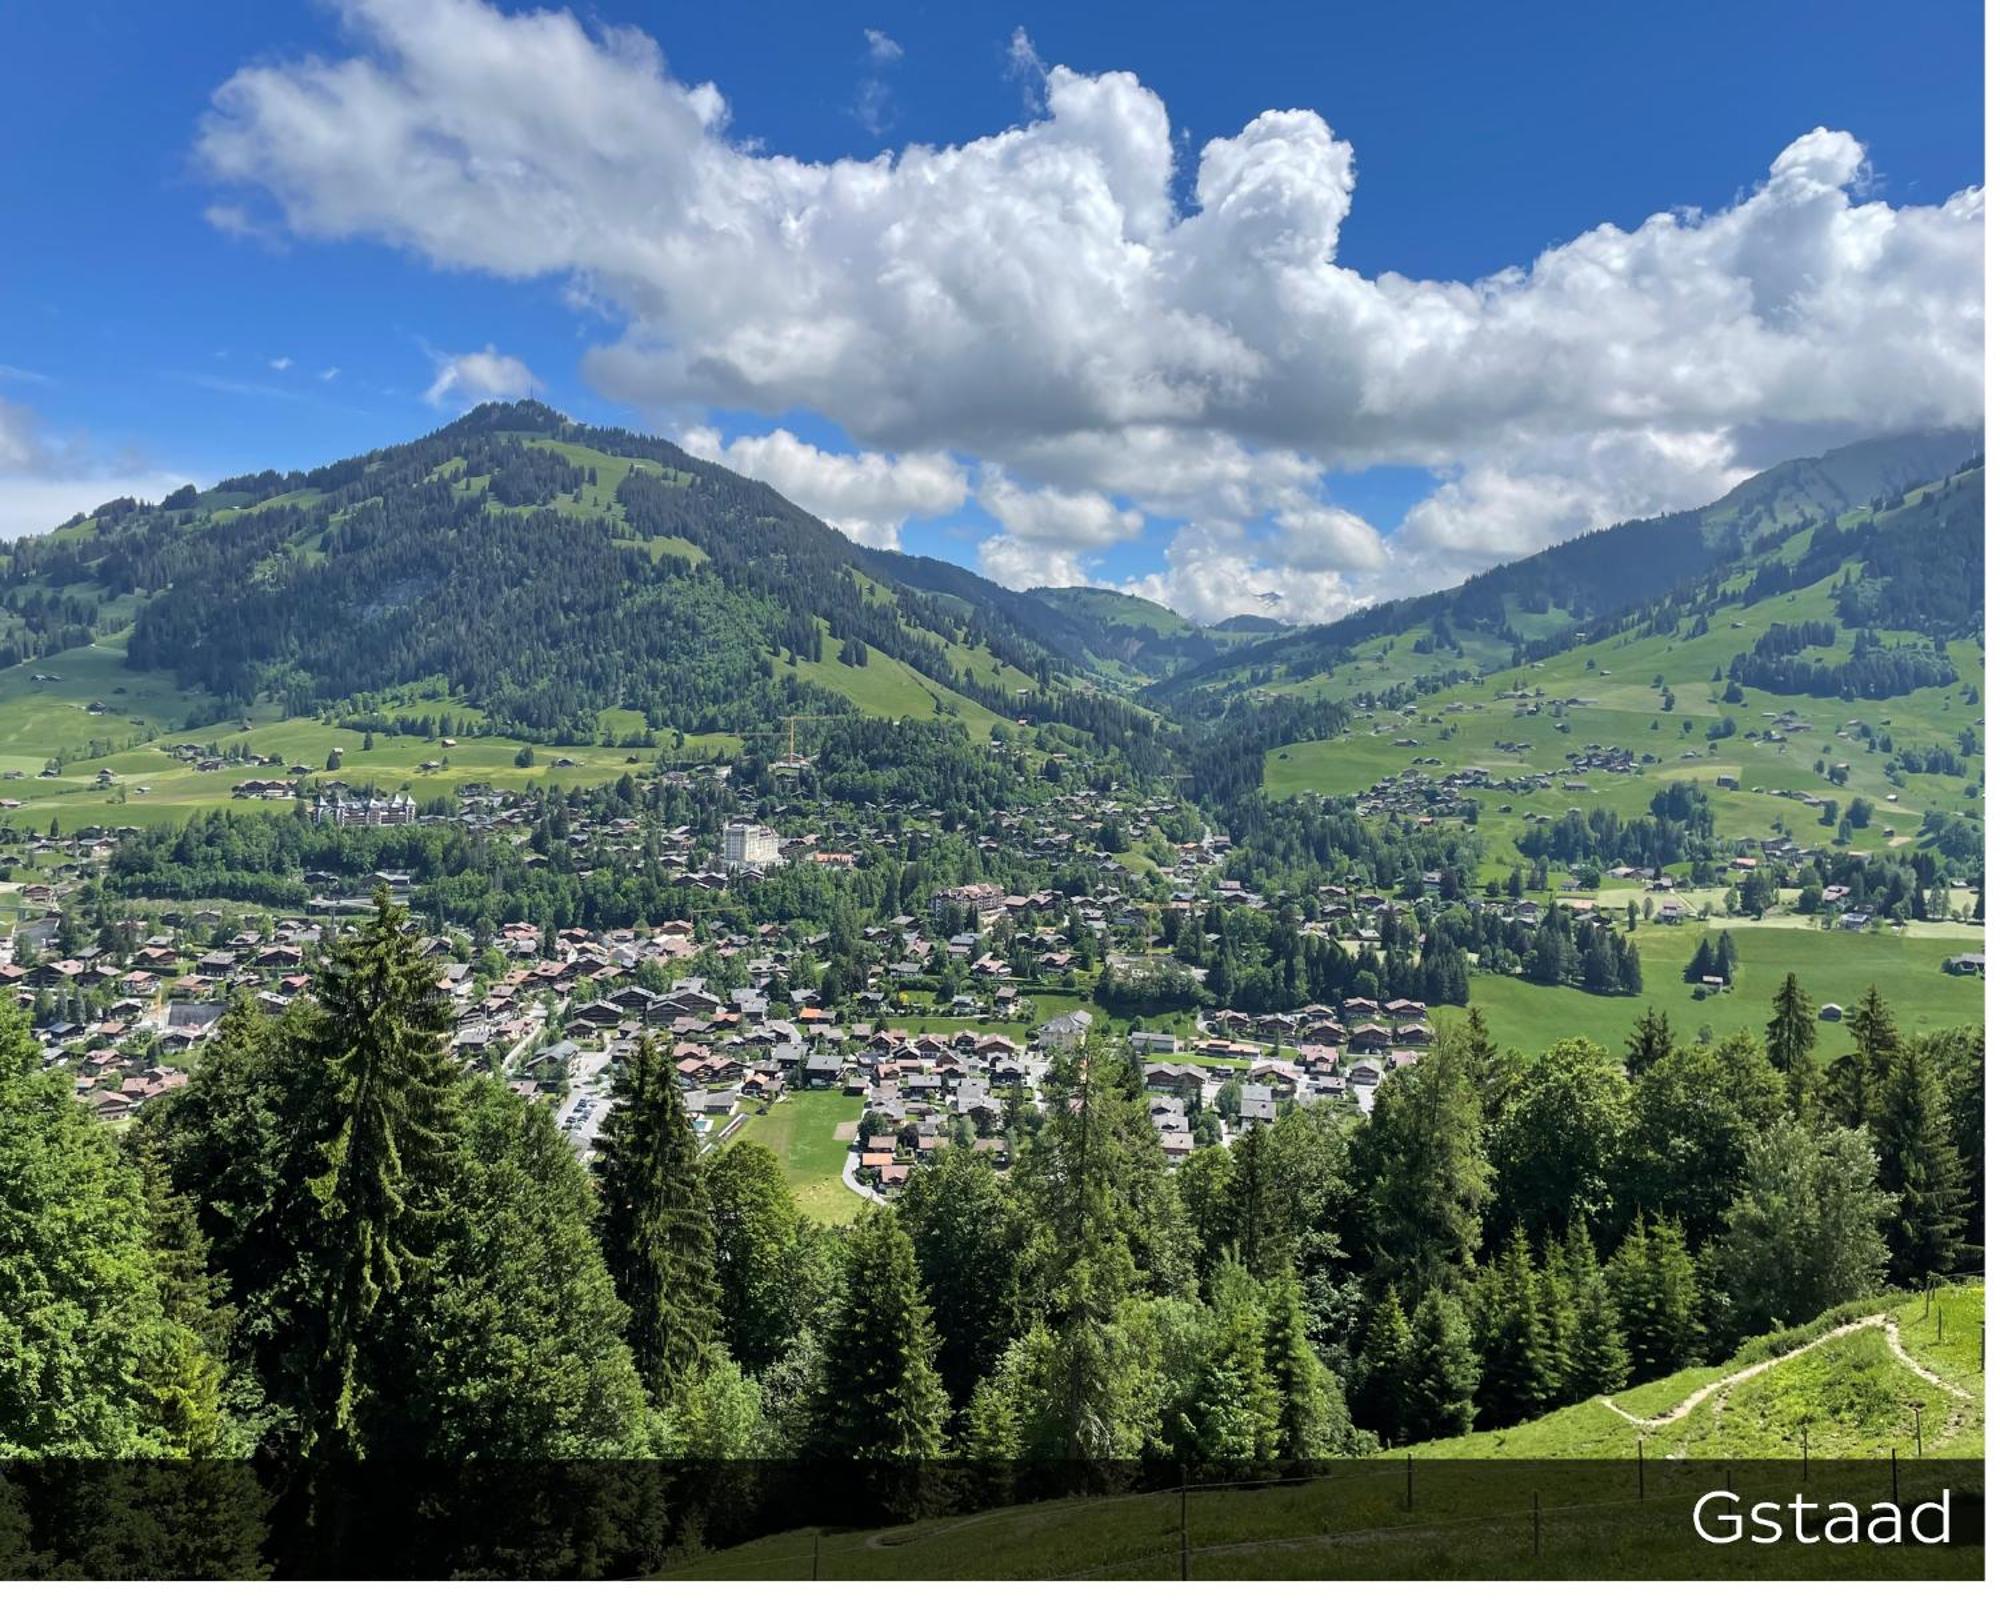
[1185, 398]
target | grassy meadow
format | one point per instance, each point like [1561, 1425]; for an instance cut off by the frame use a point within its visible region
[801, 1130]
[1835, 967]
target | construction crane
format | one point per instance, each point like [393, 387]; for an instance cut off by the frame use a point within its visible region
[790, 734]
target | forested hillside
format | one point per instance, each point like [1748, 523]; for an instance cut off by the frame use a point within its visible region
[1515, 610]
[545, 572]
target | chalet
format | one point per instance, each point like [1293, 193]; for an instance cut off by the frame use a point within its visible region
[1065, 1032]
[1259, 1104]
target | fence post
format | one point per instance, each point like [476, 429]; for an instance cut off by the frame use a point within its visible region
[1805, 1452]
[1920, 1427]
[1642, 1469]
[1185, 1561]
[1410, 1482]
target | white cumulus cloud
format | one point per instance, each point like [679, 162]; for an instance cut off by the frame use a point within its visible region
[484, 376]
[866, 496]
[1041, 299]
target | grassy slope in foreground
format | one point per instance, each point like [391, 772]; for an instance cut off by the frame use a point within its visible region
[1852, 1395]
[1576, 1466]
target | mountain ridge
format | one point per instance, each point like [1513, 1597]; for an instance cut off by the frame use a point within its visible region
[548, 572]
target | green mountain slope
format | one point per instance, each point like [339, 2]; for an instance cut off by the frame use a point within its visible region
[1842, 664]
[546, 577]
[1549, 595]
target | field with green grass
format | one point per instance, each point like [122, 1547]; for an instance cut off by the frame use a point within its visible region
[801, 1130]
[149, 785]
[40, 719]
[1835, 967]
[889, 689]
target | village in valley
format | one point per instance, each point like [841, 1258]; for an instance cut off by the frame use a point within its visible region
[861, 1055]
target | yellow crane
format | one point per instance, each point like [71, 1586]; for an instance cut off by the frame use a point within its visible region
[790, 734]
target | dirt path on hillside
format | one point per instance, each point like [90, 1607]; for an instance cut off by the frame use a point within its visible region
[1874, 1321]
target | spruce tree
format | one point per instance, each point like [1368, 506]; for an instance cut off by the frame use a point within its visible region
[1256, 1215]
[1516, 1376]
[963, 1222]
[879, 1395]
[1789, 1039]
[1702, 965]
[524, 1356]
[1658, 1299]
[1598, 1362]
[1424, 1153]
[1443, 1370]
[1853, 1080]
[386, 1171]
[1381, 1397]
[1921, 1170]
[1312, 1420]
[1232, 1414]
[656, 1227]
[1650, 1042]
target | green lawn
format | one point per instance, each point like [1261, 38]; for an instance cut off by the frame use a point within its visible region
[40, 719]
[800, 1129]
[1835, 968]
[172, 788]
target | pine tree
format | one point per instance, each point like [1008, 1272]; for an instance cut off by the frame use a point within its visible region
[1651, 1041]
[1312, 1419]
[1789, 1040]
[1381, 1399]
[1598, 1361]
[1921, 1170]
[1517, 1375]
[1653, 1285]
[879, 1395]
[386, 1170]
[656, 1227]
[1443, 1371]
